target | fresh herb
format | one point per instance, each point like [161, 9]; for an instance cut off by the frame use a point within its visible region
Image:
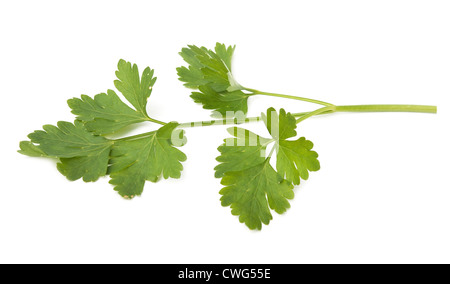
[254, 182]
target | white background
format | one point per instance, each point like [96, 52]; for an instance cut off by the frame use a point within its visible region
[381, 196]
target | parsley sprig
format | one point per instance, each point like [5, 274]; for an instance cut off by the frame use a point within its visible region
[254, 182]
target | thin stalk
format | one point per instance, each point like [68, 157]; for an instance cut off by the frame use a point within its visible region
[322, 110]
[256, 92]
[231, 121]
[369, 108]
[301, 116]
[155, 121]
[225, 121]
[387, 108]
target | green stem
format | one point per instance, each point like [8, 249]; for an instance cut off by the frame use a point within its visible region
[256, 92]
[155, 120]
[225, 121]
[301, 116]
[325, 110]
[387, 108]
[368, 108]
[322, 110]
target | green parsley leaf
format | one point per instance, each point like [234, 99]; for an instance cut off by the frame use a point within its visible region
[252, 186]
[221, 102]
[252, 191]
[210, 72]
[193, 75]
[82, 154]
[105, 113]
[206, 67]
[29, 149]
[280, 126]
[295, 159]
[241, 152]
[146, 158]
[136, 90]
